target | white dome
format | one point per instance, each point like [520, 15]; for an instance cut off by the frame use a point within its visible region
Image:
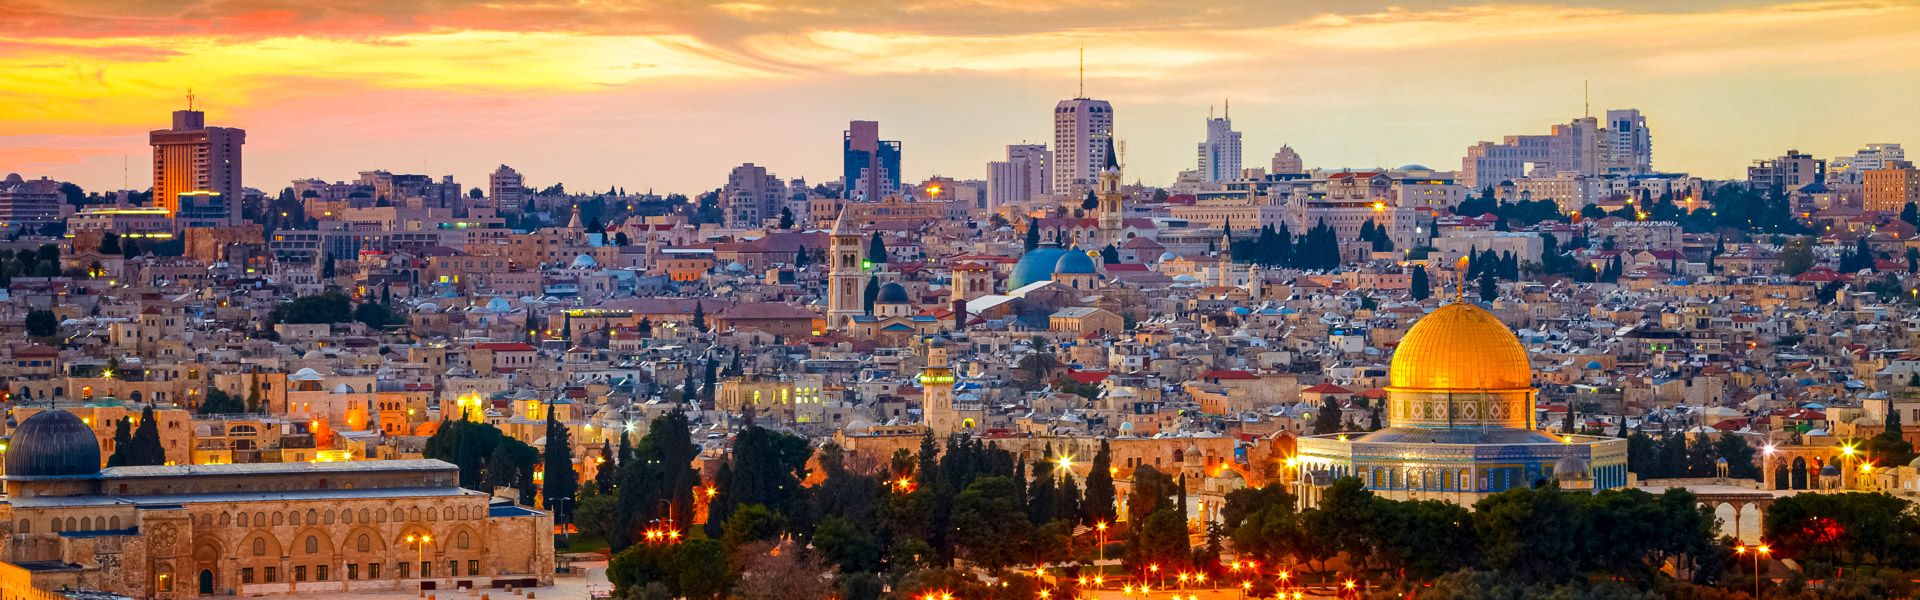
[499, 305]
[735, 267]
[306, 374]
[585, 262]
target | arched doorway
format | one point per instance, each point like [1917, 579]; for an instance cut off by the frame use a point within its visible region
[206, 582]
[1799, 473]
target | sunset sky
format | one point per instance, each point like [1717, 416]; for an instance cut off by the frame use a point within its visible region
[667, 95]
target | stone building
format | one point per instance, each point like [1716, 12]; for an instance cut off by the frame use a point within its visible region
[250, 529]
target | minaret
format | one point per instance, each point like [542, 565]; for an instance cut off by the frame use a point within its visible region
[936, 383]
[843, 280]
[1112, 211]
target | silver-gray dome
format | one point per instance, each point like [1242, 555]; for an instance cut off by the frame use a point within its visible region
[52, 444]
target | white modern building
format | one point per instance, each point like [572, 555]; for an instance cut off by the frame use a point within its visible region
[1026, 173]
[1220, 154]
[1081, 128]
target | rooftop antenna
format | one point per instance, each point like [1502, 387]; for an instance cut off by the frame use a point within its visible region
[189, 97]
[1083, 72]
[1226, 108]
[1586, 97]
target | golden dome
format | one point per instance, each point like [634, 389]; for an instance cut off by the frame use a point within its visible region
[1460, 347]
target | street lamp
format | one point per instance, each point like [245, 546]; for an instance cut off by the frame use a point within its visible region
[420, 551]
[1101, 527]
[1758, 551]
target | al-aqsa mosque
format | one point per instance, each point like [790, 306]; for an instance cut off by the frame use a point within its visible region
[1462, 425]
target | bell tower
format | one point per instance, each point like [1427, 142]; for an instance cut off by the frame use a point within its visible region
[843, 279]
[1112, 209]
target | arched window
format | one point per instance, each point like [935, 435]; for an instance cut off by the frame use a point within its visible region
[460, 540]
[243, 520]
[259, 546]
[363, 544]
[363, 515]
[72, 525]
[279, 518]
[86, 524]
[415, 513]
[433, 515]
[26, 526]
[327, 517]
[226, 518]
[293, 517]
[346, 516]
[447, 513]
[313, 517]
[313, 544]
[115, 523]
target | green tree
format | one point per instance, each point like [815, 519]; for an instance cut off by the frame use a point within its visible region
[1152, 491]
[1796, 256]
[42, 323]
[373, 315]
[1161, 540]
[751, 523]
[1419, 288]
[561, 483]
[786, 218]
[122, 444]
[1532, 533]
[852, 547]
[219, 402]
[877, 249]
[328, 307]
[981, 526]
[145, 449]
[871, 294]
[1489, 288]
[1098, 505]
[1032, 238]
[1329, 419]
[700, 316]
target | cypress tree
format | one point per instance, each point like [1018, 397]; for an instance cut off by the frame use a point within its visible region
[1099, 505]
[1420, 289]
[559, 480]
[1033, 234]
[122, 444]
[145, 448]
[877, 249]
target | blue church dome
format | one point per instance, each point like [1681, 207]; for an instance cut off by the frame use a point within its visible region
[891, 293]
[1074, 262]
[1035, 265]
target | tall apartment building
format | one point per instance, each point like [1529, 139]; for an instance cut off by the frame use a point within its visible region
[870, 165]
[1851, 169]
[506, 189]
[1288, 162]
[192, 157]
[1786, 173]
[28, 204]
[1081, 129]
[752, 195]
[1220, 154]
[1891, 188]
[1629, 145]
[1027, 172]
[1579, 146]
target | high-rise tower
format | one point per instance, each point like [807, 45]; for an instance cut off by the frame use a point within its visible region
[870, 166]
[1082, 129]
[192, 157]
[1220, 154]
